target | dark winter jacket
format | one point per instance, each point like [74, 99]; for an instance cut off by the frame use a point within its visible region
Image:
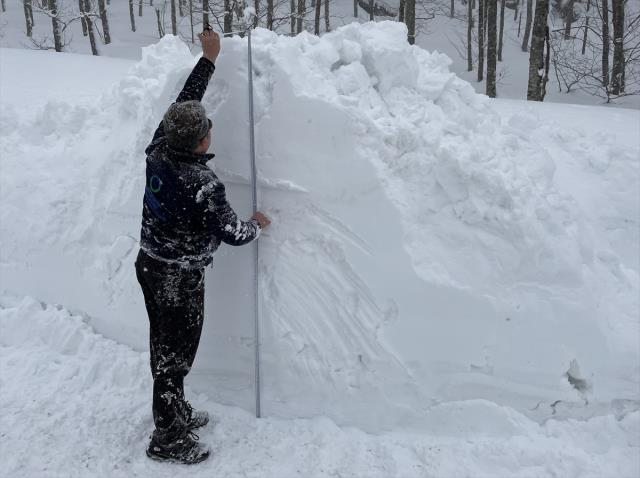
[185, 211]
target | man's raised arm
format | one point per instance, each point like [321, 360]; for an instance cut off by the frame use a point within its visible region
[198, 79]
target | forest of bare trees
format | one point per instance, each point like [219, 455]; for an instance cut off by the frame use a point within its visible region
[587, 45]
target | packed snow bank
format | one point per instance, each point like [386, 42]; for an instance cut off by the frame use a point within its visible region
[425, 248]
[76, 404]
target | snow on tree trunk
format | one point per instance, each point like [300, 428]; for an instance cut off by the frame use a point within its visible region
[469, 28]
[132, 16]
[605, 43]
[502, 3]
[617, 72]
[538, 71]
[410, 20]
[568, 19]
[527, 26]
[205, 12]
[174, 23]
[90, 29]
[102, 9]
[327, 25]
[28, 17]
[300, 17]
[318, 11]
[492, 41]
[481, 39]
[55, 24]
[270, 14]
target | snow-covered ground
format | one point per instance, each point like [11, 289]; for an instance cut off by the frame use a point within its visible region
[76, 404]
[458, 276]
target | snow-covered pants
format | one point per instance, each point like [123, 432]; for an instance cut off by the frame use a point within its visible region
[174, 297]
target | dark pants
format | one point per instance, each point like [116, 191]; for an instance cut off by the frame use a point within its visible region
[174, 297]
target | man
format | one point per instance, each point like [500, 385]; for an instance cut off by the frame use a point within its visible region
[185, 217]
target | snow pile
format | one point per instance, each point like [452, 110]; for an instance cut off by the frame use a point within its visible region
[425, 248]
[76, 404]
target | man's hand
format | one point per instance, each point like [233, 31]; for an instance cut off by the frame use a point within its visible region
[210, 41]
[262, 219]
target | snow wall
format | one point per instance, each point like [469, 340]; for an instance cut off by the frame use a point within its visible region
[423, 248]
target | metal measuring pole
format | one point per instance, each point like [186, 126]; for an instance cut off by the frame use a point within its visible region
[256, 284]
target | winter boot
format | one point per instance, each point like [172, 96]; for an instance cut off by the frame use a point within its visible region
[182, 447]
[194, 418]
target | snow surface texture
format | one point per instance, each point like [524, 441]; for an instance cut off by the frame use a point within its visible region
[82, 401]
[425, 248]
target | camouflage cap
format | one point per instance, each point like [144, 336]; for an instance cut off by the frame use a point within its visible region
[185, 124]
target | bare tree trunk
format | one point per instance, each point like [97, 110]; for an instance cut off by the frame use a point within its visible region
[28, 16]
[180, 9]
[55, 23]
[174, 23]
[538, 68]
[193, 39]
[83, 19]
[104, 19]
[481, 39]
[256, 6]
[605, 43]
[139, 8]
[515, 10]
[400, 11]
[371, 10]
[4, 7]
[355, 7]
[205, 12]
[453, 6]
[568, 19]
[132, 16]
[586, 28]
[519, 24]
[89, 21]
[617, 72]
[527, 26]
[293, 16]
[301, 9]
[502, 2]
[160, 29]
[410, 20]
[469, 28]
[317, 17]
[486, 4]
[228, 18]
[270, 14]
[327, 26]
[492, 41]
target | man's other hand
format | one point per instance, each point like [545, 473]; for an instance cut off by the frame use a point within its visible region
[262, 219]
[210, 41]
